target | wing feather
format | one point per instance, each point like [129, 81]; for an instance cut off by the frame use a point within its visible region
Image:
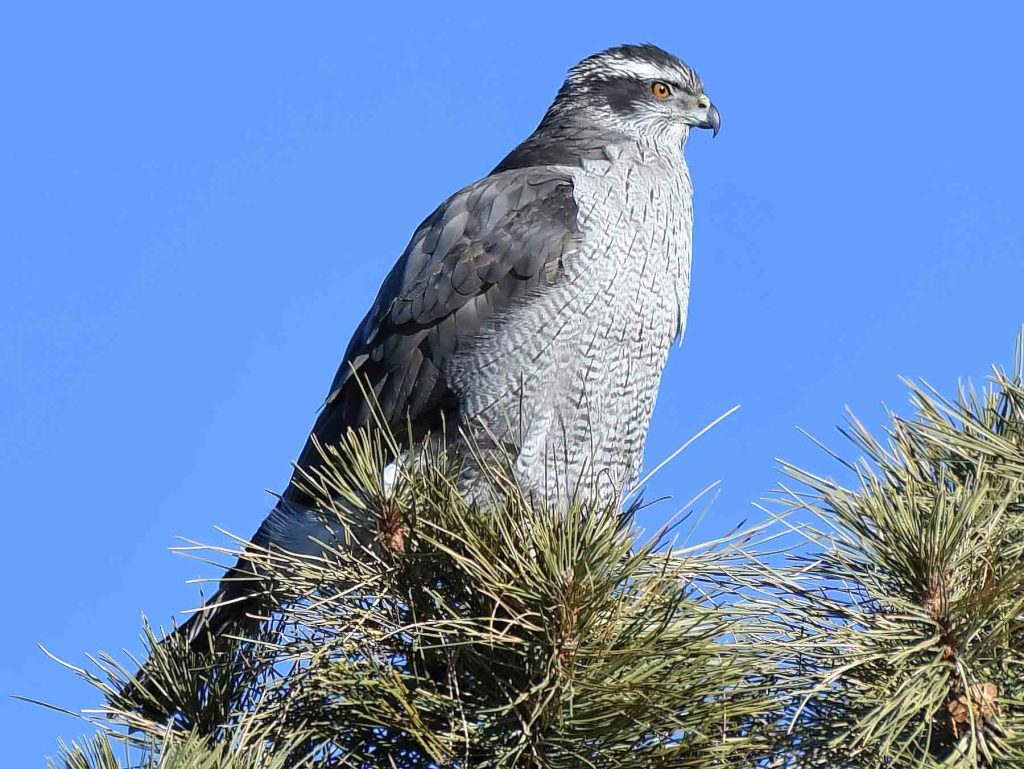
[483, 249]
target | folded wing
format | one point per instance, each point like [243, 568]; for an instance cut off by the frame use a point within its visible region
[485, 248]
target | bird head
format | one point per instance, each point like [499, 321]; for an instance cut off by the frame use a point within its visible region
[637, 90]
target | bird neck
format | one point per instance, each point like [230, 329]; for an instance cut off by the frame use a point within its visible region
[564, 139]
[561, 140]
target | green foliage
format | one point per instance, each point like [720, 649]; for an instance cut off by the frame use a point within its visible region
[497, 634]
[913, 645]
[458, 634]
[174, 751]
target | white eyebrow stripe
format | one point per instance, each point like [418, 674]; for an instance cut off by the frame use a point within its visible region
[640, 69]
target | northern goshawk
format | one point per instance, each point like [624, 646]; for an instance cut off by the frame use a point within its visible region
[538, 303]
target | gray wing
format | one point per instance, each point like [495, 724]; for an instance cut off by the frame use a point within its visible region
[483, 249]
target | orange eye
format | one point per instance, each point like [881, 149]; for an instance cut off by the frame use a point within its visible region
[660, 90]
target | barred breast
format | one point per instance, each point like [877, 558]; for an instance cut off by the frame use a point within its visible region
[566, 382]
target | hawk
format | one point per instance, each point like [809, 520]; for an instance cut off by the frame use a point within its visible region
[538, 304]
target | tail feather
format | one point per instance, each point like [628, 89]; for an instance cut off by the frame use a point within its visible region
[156, 690]
[236, 608]
[231, 611]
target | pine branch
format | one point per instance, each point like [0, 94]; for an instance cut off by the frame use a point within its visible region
[494, 633]
[913, 650]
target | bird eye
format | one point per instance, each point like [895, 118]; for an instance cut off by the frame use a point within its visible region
[660, 90]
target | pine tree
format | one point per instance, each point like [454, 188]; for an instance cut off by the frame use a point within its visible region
[913, 646]
[888, 632]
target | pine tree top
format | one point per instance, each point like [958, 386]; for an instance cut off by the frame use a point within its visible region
[876, 625]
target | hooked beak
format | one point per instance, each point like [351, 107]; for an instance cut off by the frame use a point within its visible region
[714, 120]
[710, 118]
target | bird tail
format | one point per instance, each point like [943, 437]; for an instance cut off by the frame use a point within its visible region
[234, 611]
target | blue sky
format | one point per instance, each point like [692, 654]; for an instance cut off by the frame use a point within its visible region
[199, 204]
